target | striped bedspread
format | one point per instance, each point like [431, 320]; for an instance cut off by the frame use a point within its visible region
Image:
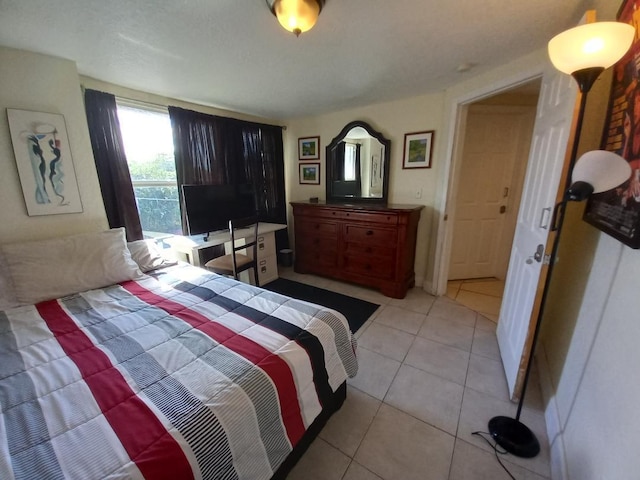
[183, 374]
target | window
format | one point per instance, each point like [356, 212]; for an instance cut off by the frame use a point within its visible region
[148, 144]
[350, 161]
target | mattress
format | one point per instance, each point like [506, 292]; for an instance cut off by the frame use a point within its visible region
[180, 374]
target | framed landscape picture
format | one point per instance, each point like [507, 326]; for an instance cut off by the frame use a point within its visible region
[417, 149]
[617, 212]
[43, 158]
[310, 173]
[309, 148]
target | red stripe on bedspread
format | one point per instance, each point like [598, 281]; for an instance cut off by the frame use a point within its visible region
[145, 439]
[275, 367]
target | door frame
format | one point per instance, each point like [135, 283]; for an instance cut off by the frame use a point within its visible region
[458, 106]
[516, 180]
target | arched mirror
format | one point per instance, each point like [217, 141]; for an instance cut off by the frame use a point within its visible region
[358, 165]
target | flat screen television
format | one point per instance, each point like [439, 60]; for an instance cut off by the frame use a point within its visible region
[209, 208]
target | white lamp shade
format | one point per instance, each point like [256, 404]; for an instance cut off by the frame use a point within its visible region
[599, 44]
[297, 16]
[602, 170]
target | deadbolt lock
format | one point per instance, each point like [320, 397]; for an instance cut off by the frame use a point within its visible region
[539, 253]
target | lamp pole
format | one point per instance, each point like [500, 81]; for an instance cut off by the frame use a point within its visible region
[573, 52]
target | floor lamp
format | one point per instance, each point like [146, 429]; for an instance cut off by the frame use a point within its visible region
[583, 52]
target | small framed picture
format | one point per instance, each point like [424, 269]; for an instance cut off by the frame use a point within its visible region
[417, 149]
[310, 173]
[309, 148]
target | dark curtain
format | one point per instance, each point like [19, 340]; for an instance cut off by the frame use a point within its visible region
[111, 163]
[224, 151]
[339, 161]
[342, 186]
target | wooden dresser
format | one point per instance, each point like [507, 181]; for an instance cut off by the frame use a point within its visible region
[364, 244]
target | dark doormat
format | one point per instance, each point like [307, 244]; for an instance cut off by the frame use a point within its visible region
[355, 310]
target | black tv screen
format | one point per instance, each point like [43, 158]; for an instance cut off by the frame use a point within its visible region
[209, 208]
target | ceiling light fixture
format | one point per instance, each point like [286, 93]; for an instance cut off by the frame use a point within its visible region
[296, 16]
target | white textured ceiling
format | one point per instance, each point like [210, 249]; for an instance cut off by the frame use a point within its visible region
[233, 54]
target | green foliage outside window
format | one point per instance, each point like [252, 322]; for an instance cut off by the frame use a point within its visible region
[162, 167]
[158, 208]
[157, 204]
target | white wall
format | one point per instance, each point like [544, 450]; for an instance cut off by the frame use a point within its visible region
[45, 84]
[598, 388]
[393, 120]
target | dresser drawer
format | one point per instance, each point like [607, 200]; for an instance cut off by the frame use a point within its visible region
[319, 243]
[315, 228]
[370, 235]
[369, 218]
[355, 249]
[381, 267]
[266, 245]
[315, 212]
[267, 269]
[312, 259]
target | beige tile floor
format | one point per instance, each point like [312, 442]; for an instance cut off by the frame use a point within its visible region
[429, 375]
[483, 295]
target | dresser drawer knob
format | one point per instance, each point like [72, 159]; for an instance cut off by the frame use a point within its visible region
[369, 232]
[368, 250]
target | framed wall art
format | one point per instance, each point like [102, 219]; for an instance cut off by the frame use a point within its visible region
[44, 162]
[617, 212]
[309, 148]
[417, 149]
[310, 173]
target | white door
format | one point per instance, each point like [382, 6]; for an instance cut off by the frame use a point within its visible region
[551, 133]
[496, 139]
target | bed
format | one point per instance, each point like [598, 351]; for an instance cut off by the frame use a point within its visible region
[168, 372]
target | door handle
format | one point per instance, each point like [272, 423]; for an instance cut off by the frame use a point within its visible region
[537, 256]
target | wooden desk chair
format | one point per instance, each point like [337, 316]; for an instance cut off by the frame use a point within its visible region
[233, 263]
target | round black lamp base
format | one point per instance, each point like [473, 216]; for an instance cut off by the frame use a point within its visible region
[514, 436]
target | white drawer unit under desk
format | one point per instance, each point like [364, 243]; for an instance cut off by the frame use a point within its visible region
[191, 249]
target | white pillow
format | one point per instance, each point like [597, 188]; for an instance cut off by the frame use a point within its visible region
[148, 255]
[7, 293]
[48, 269]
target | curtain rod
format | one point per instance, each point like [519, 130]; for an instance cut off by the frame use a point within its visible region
[141, 103]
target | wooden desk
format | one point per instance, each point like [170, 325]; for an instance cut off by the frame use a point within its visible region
[193, 249]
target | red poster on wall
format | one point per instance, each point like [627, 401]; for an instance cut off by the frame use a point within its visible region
[617, 212]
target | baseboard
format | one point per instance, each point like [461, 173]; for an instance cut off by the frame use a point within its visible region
[558, 464]
[427, 286]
